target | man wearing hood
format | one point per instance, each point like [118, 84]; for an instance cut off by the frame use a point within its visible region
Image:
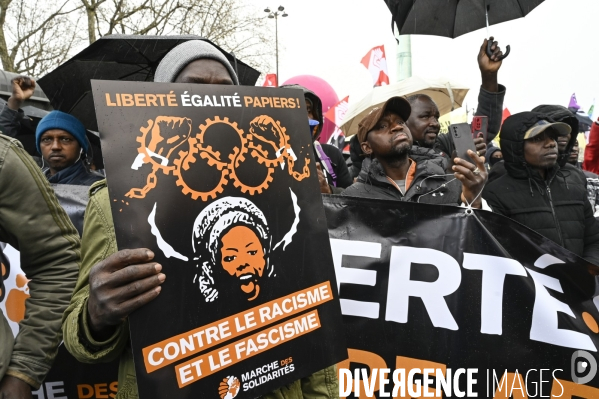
[537, 191]
[112, 283]
[394, 169]
[493, 156]
[565, 143]
[333, 174]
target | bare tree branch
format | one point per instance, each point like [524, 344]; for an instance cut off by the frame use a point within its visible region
[34, 39]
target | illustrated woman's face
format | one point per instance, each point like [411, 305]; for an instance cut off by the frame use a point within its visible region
[242, 256]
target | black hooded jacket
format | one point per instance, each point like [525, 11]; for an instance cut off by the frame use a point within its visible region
[556, 207]
[430, 185]
[559, 114]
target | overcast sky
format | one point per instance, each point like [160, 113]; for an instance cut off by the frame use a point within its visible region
[553, 50]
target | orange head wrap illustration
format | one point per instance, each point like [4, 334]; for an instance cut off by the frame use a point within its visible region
[231, 240]
[232, 246]
[167, 143]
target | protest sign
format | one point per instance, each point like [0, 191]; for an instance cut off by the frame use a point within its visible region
[220, 183]
[477, 300]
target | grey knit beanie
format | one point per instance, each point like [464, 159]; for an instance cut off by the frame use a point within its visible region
[179, 57]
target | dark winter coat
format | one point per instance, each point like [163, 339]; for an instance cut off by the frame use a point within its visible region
[558, 114]
[556, 207]
[561, 114]
[430, 185]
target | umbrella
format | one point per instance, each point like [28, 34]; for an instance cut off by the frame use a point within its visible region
[116, 57]
[584, 121]
[453, 18]
[448, 95]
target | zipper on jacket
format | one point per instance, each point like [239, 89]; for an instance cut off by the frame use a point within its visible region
[559, 230]
[395, 185]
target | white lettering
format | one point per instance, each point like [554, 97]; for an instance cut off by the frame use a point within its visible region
[401, 288]
[341, 248]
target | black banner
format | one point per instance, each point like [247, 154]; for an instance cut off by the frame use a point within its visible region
[431, 287]
[492, 305]
[220, 183]
[70, 379]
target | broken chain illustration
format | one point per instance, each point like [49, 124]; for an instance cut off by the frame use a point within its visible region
[157, 150]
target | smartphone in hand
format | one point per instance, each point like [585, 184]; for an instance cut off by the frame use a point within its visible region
[480, 127]
[461, 134]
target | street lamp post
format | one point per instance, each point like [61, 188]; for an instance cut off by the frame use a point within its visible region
[275, 14]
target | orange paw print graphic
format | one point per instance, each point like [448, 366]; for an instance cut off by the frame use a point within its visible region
[15, 301]
[229, 387]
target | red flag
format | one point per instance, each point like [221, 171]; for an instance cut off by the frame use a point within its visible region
[270, 80]
[376, 63]
[506, 114]
[336, 114]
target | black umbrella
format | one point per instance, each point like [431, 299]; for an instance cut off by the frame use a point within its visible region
[116, 57]
[453, 18]
[584, 121]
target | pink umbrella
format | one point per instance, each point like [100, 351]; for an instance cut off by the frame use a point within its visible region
[327, 95]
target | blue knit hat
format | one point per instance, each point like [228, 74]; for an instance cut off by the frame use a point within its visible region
[63, 121]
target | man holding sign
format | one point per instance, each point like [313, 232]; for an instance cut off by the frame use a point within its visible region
[114, 284]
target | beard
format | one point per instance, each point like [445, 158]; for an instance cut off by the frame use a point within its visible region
[397, 152]
[428, 143]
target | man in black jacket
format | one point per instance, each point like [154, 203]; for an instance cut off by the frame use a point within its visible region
[397, 170]
[565, 144]
[537, 192]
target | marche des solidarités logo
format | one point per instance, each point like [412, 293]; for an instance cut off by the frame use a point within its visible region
[229, 387]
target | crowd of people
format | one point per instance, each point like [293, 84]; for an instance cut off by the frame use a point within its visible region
[85, 288]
